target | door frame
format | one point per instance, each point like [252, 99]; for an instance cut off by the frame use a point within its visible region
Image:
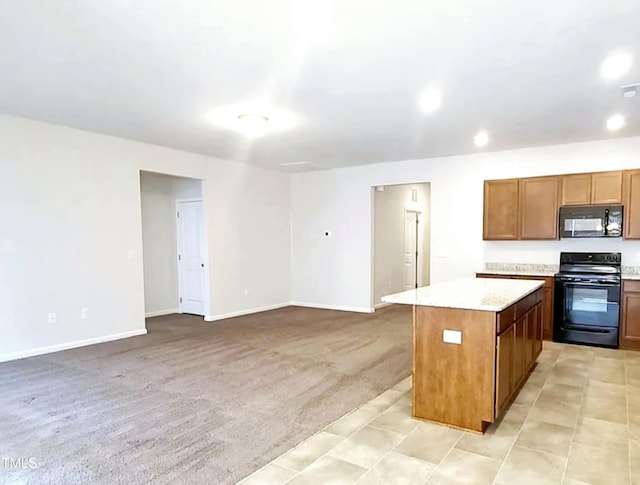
[419, 243]
[205, 247]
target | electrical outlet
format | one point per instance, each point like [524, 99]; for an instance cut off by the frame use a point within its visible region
[84, 313]
[52, 318]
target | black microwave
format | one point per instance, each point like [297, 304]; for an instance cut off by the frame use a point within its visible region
[591, 221]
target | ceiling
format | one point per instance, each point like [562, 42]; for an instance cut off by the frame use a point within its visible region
[155, 70]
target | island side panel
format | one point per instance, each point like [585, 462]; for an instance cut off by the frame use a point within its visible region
[454, 384]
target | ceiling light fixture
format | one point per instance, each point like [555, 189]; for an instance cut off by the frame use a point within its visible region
[430, 100]
[253, 124]
[616, 65]
[615, 122]
[252, 118]
[481, 139]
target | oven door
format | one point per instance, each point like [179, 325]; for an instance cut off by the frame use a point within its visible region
[587, 312]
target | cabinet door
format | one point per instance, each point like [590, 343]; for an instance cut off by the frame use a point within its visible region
[500, 209]
[576, 189]
[547, 313]
[606, 188]
[539, 208]
[537, 344]
[504, 365]
[630, 328]
[519, 351]
[631, 197]
[530, 338]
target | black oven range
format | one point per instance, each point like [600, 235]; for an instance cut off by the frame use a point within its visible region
[587, 299]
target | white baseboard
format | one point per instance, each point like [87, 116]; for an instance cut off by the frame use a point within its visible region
[214, 318]
[333, 307]
[161, 313]
[70, 345]
[382, 305]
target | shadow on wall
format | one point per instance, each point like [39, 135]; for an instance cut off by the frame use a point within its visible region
[402, 235]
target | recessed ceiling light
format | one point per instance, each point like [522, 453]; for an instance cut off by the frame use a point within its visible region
[615, 122]
[616, 65]
[481, 139]
[430, 100]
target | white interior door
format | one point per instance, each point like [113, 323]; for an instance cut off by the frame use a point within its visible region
[191, 257]
[410, 250]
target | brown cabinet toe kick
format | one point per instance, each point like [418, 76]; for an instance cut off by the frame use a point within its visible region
[468, 385]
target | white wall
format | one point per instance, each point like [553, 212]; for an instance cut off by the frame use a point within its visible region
[159, 194]
[389, 237]
[71, 235]
[337, 271]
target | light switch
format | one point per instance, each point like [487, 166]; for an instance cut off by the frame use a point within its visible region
[452, 337]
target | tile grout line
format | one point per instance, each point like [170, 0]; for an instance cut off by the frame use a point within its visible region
[575, 427]
[344, 438]
[522, 426]
[443, 458]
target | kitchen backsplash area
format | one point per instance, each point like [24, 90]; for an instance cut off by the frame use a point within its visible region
[544, 256]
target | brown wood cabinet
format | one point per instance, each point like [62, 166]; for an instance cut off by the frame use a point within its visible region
[631, 201]
[545, 317]
[504, 351]
[576, 189]
[500, 210]
[538, 198]
[517, 348]
[519, 353]
[527, 208]
[468, 383]
[591, 188]
[606, 187]
[630, 317]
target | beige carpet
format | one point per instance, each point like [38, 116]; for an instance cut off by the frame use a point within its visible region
[193, 402]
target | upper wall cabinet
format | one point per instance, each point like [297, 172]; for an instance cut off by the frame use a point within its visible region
[606, 188]
[528, 208]
[500, 210]
[576, 189]
[631, 190]
[591, 188]
[539, 208]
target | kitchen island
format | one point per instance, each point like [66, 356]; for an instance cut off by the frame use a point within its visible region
[475, 342]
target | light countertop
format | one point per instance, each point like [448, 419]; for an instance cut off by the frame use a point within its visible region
[485, 294]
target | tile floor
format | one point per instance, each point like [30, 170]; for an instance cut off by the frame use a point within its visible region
[575, 422]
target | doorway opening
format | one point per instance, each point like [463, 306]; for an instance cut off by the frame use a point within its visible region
[401, 238]
[175, 256]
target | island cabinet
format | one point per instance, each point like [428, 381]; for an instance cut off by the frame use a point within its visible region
[547, 297]
[518, 346]
[475, 343]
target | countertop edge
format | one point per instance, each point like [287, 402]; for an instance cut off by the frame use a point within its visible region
[481, 308]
